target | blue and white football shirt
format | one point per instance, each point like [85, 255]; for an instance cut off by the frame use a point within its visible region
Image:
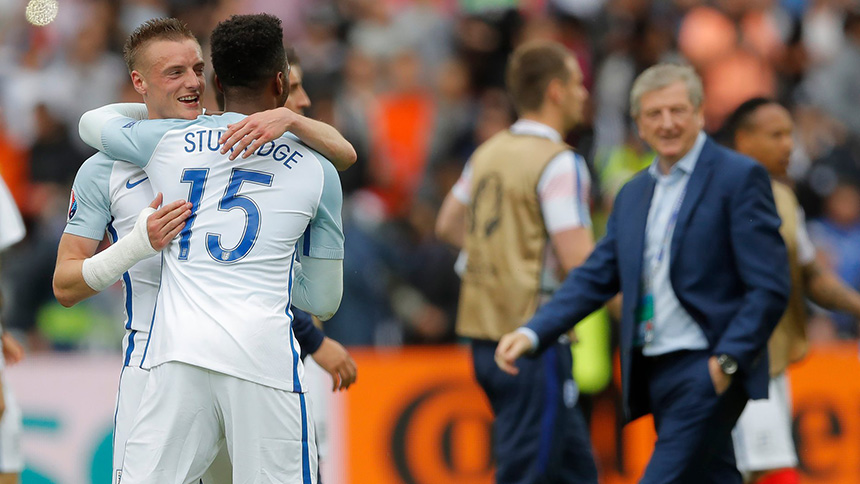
[226, 280]
[109, 195]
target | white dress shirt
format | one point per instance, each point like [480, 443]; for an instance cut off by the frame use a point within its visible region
[673, 328]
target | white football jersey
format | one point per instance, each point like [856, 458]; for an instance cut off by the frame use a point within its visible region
[108, 195]
[226, 280]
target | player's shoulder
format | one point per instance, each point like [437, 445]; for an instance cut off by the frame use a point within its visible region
[171, 123]
[567, 159]
[96, 168]
[328, 168]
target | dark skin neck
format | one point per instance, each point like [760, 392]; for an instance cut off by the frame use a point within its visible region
[247, 101]
[249, 104]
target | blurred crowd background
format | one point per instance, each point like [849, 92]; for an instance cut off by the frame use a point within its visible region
[416, 85]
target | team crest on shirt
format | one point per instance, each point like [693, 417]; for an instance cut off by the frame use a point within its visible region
[73, 205]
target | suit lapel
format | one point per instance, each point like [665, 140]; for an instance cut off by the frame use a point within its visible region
[695, 189]
[638, 219]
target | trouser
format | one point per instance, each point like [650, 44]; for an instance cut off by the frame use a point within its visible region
[539, 432]
[693, 423]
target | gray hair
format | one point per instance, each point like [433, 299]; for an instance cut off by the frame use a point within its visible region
[662, 75]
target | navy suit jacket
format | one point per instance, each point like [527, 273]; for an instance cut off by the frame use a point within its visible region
[728, 267]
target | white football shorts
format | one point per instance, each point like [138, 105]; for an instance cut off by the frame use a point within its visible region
[11, 456]
[132, 381]
[187, 413]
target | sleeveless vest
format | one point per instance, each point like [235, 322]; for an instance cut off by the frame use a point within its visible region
[505, 235]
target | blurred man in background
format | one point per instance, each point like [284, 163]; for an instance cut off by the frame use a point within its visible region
[693, 244]
[520, 211]
[762, 129]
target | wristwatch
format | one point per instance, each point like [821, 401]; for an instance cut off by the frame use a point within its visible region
[728, 364]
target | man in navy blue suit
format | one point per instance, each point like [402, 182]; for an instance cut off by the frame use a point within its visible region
[693, 244]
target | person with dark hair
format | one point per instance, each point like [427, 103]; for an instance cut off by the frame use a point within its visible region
[327, 352]
[693, 243]
[223, 318]
[520, 212]
[270, 124]
[762, 129]
[833, 87]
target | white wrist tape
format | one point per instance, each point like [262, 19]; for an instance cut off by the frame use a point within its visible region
[106, 267]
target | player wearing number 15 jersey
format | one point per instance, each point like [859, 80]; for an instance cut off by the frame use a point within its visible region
[227, 276]
[225, 364]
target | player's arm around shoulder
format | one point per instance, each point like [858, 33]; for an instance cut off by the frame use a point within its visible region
[254, 131]
[118, 131]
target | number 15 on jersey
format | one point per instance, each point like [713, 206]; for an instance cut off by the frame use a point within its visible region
[231, 200]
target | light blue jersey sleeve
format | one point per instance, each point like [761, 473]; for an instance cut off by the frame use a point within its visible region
[124, 138]
[135, 141]
[89, 206]
[323, 239]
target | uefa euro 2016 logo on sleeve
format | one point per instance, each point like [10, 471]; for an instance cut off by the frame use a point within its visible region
[73, 205]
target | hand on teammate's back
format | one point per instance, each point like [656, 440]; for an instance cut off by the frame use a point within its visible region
[334, 359]
[256, 130]
[167, 221]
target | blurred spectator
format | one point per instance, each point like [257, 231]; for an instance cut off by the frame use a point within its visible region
[822, 30]
[706, 35]
[13, 167]
[365, 314]
[354, 104]
[322, 52]
[731, 80]
[455, 112]
[91, 74]
[837, 235]
[54, 158]
[834, 87]
[400, 137]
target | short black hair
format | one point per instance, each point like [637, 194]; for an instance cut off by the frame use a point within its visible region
[741, 119]
[248, 51]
